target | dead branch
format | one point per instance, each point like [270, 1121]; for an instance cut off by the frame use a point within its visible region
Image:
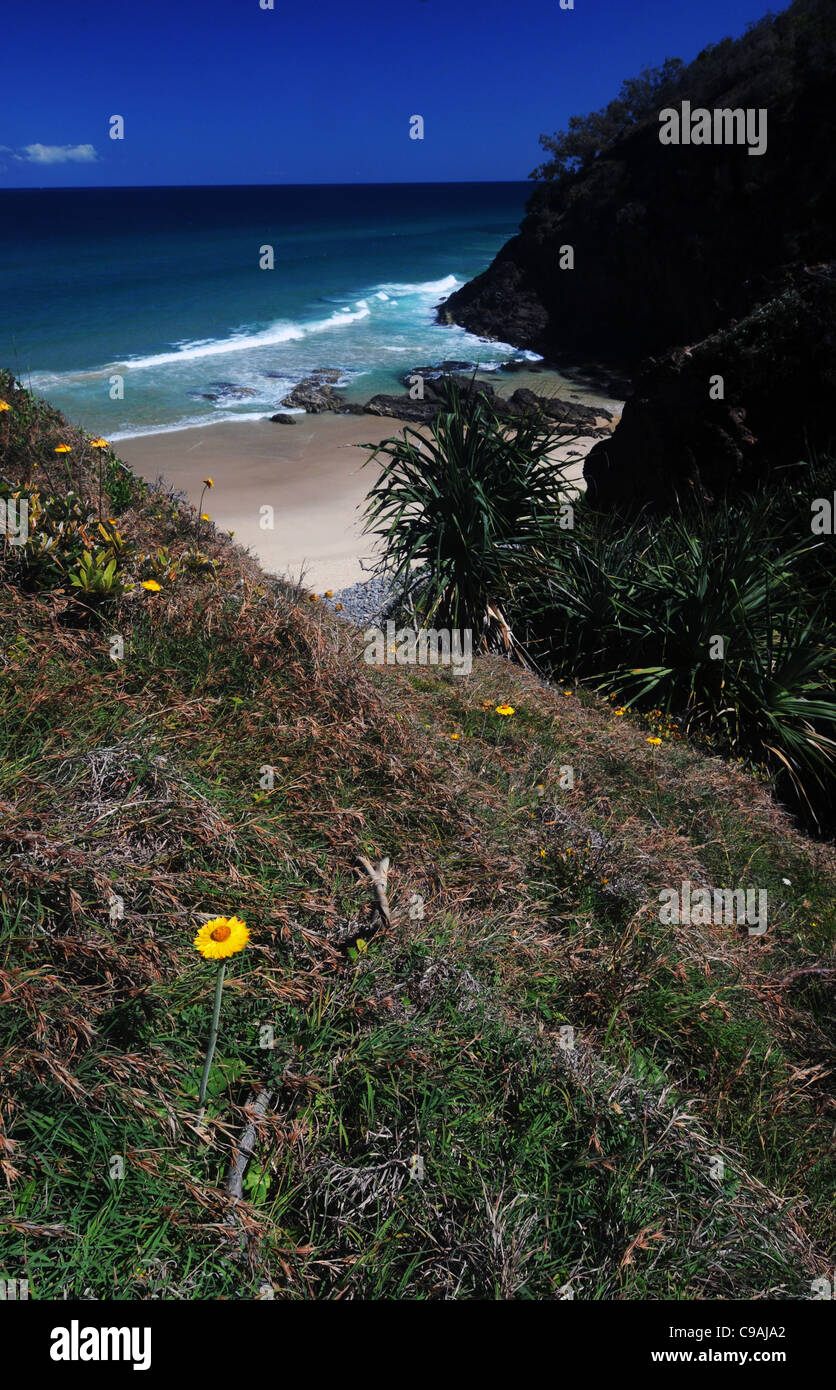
[378, 876]
[806, 970]
[244, 1152]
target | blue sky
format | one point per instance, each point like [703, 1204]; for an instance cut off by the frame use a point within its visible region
[224, 92]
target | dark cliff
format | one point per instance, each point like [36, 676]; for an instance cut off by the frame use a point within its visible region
[675, 243]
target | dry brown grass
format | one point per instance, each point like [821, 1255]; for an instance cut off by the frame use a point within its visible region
[140, 778]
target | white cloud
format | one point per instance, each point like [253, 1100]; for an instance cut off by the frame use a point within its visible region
[58, 154]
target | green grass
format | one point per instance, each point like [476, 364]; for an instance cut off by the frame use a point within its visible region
[545, 1166]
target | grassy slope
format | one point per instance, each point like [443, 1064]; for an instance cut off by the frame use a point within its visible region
[543, 1166]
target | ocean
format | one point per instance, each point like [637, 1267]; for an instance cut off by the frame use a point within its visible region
[162, 288]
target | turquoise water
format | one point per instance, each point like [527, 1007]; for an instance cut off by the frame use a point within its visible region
[162, 288]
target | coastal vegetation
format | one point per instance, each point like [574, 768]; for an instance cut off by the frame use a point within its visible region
[776, 55]
[720, 616]
[514, 1082]
[694, 578]
[464, 501]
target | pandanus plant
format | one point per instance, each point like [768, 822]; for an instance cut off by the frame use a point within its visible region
[465, 503]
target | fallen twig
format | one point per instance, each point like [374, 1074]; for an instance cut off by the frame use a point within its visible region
[244, 1151]
[806, 970]
[378, 876]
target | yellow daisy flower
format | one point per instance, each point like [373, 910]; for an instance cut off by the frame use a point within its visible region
[205, 517]
[63, 449]
[4, 405]
[505, 709]
[622, 710]
[654, 741]
[151, 585]
[222, 937]
[99, 444]
[208, 482]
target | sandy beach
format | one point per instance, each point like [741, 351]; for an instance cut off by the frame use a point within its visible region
[312, 474]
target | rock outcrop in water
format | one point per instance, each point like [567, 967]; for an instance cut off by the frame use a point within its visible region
[566, 416]
[315, 395]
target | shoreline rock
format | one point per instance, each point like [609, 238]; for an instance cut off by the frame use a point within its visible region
[223, 391]
[316, 398]
[567, 415]
[314, 395]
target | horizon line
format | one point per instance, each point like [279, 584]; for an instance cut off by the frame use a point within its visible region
[376, 183]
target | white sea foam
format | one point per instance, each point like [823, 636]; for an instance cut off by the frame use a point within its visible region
[194, 422]
[242, 340]
[245, 342]
[426, 288]
[218, 347]
[290, 332]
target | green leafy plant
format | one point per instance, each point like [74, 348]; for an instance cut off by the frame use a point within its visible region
[123, 489]
[717, 616]
[57, 538]
[97, 575]
[162, 564]
[720, 616]
[466, 504]
[194, 561]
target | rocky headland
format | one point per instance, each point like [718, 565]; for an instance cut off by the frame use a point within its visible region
[686, 264]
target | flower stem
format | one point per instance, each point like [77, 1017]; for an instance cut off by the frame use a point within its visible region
[213, 1036]
[200, 517]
